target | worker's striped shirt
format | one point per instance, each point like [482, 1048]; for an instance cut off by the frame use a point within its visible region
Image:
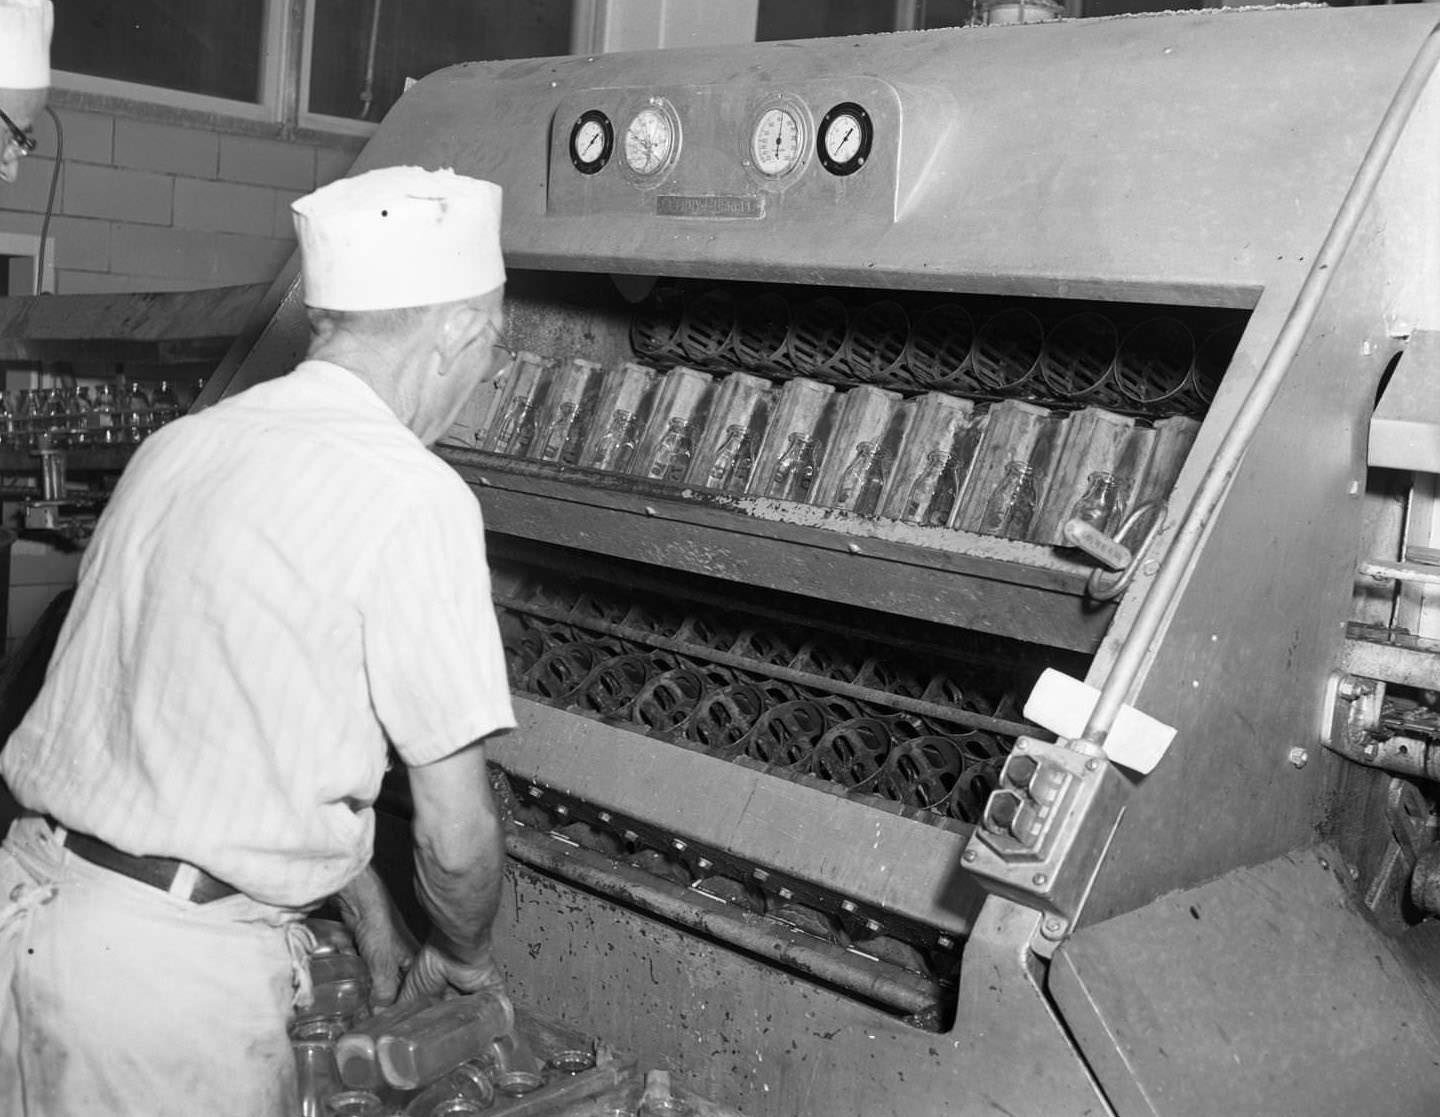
[279, 584]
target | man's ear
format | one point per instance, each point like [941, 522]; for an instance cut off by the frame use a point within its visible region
[461, 327]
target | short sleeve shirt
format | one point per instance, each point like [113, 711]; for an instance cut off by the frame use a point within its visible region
[280, 586]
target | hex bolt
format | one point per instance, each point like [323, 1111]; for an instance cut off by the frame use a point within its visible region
[1053, 928]
[1371, 751]
[872, 926]
[969, 855]
[1299, 758]
[704, 864]
[1039, 879]
[680, 847]
[630, 836]
[534, 792]
[945, 942]
[605, 816]
[761, 875]
[786, 894]
[1349, 688]
[848, 907]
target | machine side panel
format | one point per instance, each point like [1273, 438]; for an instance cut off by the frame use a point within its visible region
[1184, 157]
[1241, 666]
[1265, 991]
[764, 1042]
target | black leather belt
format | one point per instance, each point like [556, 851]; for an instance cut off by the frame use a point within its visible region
[158, 872]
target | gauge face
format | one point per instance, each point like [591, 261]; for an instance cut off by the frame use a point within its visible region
[777, 144]
[591, 142]
[650, 141]
[844, 140]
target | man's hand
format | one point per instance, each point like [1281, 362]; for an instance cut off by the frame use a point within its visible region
[385, 943]
[437, 974]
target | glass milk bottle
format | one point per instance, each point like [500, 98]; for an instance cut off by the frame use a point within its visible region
[730, 471]
[1100, 505]
[1012, 505]
[795, 471]
[673, 452]
[617, 445]
[863, 481]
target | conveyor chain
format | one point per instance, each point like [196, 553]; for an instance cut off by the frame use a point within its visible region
[799, 703]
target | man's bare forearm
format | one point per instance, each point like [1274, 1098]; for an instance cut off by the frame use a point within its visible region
[459, 852]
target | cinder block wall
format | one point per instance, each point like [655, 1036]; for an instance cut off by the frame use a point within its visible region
[142, 205]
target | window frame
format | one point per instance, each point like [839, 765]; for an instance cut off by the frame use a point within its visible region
[274, 76]
[284, 79]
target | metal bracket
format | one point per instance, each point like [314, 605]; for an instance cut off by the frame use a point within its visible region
[1107, 585]
[1045, 830]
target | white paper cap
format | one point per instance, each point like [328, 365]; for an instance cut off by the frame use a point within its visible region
[399, 237]
[25, 27]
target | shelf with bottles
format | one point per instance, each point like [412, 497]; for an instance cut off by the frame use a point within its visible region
[935, 469]
[97, 423]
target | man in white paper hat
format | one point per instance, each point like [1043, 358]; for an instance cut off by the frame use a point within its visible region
[282, 587]
[25, 28]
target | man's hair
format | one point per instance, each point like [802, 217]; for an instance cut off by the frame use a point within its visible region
[368, 323]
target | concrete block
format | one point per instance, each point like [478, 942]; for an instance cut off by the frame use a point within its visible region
[283, 227]
[165, 147]
[125, 195]
[332, 163]
[82, 243]
[267, 162]
[224, 207]
[27, 194]
[251, 259]
[89, 137]
[199, 259]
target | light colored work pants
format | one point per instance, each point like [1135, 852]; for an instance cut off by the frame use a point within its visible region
[119, 1000]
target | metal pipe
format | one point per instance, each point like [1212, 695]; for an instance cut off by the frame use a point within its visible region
[860, 693]
[1237, 439]
[875, 981]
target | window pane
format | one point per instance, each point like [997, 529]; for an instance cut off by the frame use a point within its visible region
[785, 19]
[416, 37]
[198, 46]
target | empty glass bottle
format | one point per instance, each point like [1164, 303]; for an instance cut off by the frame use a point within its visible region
[672, 453]
[514, 430]
[1100, 505]
[557, 431]
[617, 444]
[795, 471]
[355, 1054]
[863, 480]
[164, 404]
[1012, 504]
[466, 1089]
[103, 422]
[354, 1103]
[730, 471]
[315, 1075]
[932, 496]
[436, 1041]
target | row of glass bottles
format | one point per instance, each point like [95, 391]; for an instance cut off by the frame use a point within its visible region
[82, 416]
[1011, 506]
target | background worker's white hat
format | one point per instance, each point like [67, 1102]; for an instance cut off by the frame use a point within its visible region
[399, 237]
[25, 27]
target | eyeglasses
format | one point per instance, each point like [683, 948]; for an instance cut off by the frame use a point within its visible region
[511, 355]
[23, 138]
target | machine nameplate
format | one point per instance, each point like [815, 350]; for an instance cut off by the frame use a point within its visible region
[709, 205]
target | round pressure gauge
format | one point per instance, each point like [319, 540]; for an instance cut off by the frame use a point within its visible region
[844, 139]
[591, 142]
[652, 139]
[777, 142]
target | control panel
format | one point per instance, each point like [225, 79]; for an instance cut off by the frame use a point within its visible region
[727, 152]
